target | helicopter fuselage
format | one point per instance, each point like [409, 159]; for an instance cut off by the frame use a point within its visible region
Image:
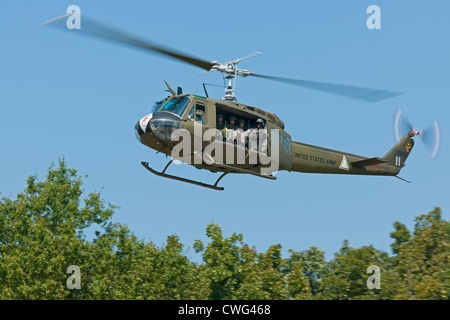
[157, 129]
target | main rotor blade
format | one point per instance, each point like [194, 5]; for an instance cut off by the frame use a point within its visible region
[365, 94]
[99, 30]
[256, 53]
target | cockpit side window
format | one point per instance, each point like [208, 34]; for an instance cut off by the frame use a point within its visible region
[197, 113]
[191, 113]
[177, 105]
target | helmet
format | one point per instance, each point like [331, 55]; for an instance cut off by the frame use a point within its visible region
[231, 118]
[260, 121]
[241, 120]
[219, 115]
[199, 113]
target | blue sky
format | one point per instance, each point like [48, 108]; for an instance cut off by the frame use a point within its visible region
[77, 97]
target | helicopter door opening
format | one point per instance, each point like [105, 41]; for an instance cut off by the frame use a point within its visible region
[241, 126]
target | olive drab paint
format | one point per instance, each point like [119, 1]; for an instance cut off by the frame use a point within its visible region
[206, 147]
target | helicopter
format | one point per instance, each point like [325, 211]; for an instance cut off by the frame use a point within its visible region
[262, 147]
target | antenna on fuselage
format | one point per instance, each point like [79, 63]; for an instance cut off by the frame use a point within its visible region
[170, 89]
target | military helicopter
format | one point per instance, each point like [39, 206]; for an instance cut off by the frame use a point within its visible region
[178, 111]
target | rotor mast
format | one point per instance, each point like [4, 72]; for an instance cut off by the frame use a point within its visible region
[230, 72]
[229, 91]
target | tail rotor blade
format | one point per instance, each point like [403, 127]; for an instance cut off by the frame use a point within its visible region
[401, 125]
[432, 139]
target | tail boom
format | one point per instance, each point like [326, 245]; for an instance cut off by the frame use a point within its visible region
[313, 159]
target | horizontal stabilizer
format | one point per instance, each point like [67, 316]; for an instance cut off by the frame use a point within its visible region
[368, 162]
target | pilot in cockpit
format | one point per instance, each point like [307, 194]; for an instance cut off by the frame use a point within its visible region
[199, 117]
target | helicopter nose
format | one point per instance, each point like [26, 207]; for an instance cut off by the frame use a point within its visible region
[143, 126]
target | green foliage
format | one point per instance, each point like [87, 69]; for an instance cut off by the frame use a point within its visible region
[347, 274]
[313, 264]
[423, 261]
[401, 236]
[42, 233]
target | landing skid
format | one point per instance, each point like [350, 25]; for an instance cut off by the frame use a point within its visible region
[198, 183]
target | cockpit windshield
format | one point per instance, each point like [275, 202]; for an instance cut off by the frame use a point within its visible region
[158, 105]
[177, 105]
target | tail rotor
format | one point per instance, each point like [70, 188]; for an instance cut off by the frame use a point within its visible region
[431, 136]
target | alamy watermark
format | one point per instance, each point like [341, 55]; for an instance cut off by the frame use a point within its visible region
[374, 21]
[74, 281]
[74, 20]
[252, 147]
[374, 281]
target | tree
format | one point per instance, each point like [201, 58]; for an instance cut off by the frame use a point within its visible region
[423, 259]
[347, 278]
[227, 264]
[298, 285]
[401, 236]
[41, 235]
[236, 271]
[313, 265]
